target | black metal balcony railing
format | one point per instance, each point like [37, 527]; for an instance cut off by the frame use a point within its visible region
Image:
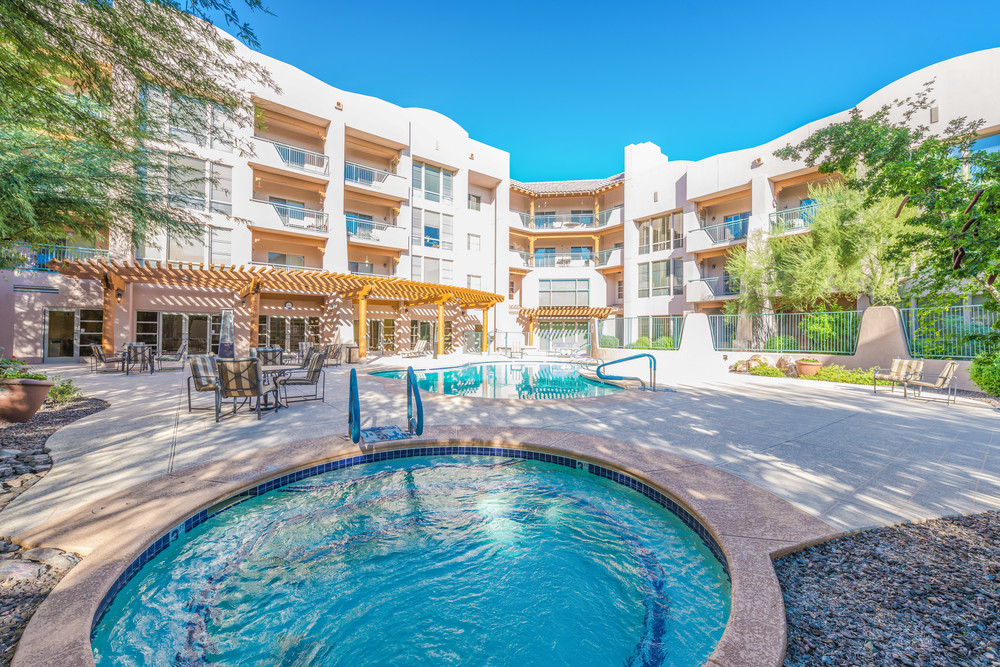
[36, 258]
[722, 285]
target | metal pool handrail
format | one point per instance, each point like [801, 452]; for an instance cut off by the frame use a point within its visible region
[413, 400]
[652, 370]
[354, 409]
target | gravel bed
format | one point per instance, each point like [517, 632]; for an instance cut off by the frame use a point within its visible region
[914, 594]
[28, 575]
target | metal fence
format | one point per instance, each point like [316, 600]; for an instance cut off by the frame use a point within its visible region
[36, 258]
[943, 333]
[727, 231]
[299, 158]
[821, 333]
[641, 333]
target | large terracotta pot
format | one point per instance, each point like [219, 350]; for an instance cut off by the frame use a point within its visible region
[808, 367]
[20, 399]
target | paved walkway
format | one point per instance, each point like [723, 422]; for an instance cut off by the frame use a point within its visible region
[852, 459]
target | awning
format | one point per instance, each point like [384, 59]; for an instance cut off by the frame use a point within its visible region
[566, 312]
[242, 279]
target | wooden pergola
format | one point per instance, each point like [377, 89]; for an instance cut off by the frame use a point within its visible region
[247, 283]
[566, 313]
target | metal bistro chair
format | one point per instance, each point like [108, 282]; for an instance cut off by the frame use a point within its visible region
[945, 380]
[203, 377]
[99, 361]
[310, 375]
[243, 379]
[304, 349]
[176, 357]
[270, 356]
[334, 353]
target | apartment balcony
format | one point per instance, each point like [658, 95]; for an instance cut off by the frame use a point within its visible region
[283, 156]
[713, 236]
[718, 288]
[793, 219]
[362, 178]
[378, 234]
[565, 260]
[275, 215]
[36, 258]
[366, 269]
[287, 267]
[610, 257]
[571, 221]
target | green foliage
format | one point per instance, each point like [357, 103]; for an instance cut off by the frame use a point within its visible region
[836, 373]
[888, 155]
[831, 331]
[16, 372]
[780, 343]
[985, 373]
[609, 341]
[641, 343]
[764, 370]
[75, 119]
[665, 343]
[64, 391]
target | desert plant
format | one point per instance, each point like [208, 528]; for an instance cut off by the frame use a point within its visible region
[609, 341]
[985, 372]
[64, 391]
[779, 343]
[837, 373]
[767, 371]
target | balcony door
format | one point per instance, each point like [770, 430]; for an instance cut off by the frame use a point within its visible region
[545, 256]
[61, 335]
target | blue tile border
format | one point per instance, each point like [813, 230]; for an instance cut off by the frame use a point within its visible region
[201, 517]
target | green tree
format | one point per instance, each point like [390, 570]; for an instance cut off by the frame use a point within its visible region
[848, 253]
[954, 189]
[76, 124]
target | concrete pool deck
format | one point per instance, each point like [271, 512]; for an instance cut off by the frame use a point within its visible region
[837, 452]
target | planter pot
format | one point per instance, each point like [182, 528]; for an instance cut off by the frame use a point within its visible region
[808, 367]
[20, 399]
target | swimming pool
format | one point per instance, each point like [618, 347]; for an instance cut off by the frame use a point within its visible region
[509, 380]
[498, 560]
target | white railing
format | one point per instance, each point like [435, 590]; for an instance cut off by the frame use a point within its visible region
[793, 218]
[300, 158]
[368, 176]
[296, 216]
[288, 267]
[362, 228]
[570, 220]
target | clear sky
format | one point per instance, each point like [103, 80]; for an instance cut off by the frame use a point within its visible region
[565, 86]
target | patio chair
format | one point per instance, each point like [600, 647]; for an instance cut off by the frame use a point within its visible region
[418, 350]
[304, 349]
[203, 377]
[99, 361]
[176, 357]
[243, 379]
[334, 353]
[897, 373]
[269, 356]
[311, 375]
[947, 379]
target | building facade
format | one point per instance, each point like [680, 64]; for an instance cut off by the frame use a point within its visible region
[349, 184]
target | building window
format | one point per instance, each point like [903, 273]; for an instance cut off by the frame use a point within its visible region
[432, 229]
[284, 259]
[582, 217]
[564, 292]
[199, 185]
[191, 121]
[474, 282]
[475, 202]
[434, 183]
[661, 233]
[221, 245]
[621, 290]
[643, 280]
[362, 268]
[678, 276]
[432, 270]
[417, 268]
[661, 278]
[474, 242]
[511, 291]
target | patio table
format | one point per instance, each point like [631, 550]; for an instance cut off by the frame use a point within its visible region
[142, 354]
[271, 374]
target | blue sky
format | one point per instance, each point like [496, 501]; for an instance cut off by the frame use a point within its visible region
[564, 87]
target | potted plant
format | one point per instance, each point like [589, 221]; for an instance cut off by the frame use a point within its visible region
[808, 366]
[22, 392]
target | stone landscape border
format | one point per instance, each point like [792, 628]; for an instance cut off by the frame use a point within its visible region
[751, 526]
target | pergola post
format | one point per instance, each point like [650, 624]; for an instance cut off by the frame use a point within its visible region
[440, 328]
[531, 331]
[114, 290]
[363, 326]
[486, 328]
[254, 297]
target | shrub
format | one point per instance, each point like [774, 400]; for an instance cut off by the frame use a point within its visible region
[64, 391]
[642, 343]
[609, 341]
[810, 361]
[665, 343]
[19, 371]
[985, 372]
[780, 343]
[767, 371]
[836, 373]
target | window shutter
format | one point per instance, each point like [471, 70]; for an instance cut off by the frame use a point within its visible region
[446, 186]
[446, 271]
[417, 227]
[447, 227]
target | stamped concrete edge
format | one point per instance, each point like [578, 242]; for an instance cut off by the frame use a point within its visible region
[112, 532]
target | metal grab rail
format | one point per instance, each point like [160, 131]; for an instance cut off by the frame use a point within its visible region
[652, 370]
[413, 400]
[354, 409]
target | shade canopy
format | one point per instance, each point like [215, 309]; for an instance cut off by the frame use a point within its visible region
[566, 312]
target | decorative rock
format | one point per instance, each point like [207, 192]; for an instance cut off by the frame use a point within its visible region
[20, 570]
[54, 557]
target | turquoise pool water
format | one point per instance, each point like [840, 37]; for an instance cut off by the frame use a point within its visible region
[509, 380]
[428, 560]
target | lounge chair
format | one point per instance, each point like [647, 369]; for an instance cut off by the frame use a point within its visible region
[99, 361]
[947, 379]
[243, 379]
[176, 357]
[418, 350]
[310, 375]
[897, 373]
[203, 377]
